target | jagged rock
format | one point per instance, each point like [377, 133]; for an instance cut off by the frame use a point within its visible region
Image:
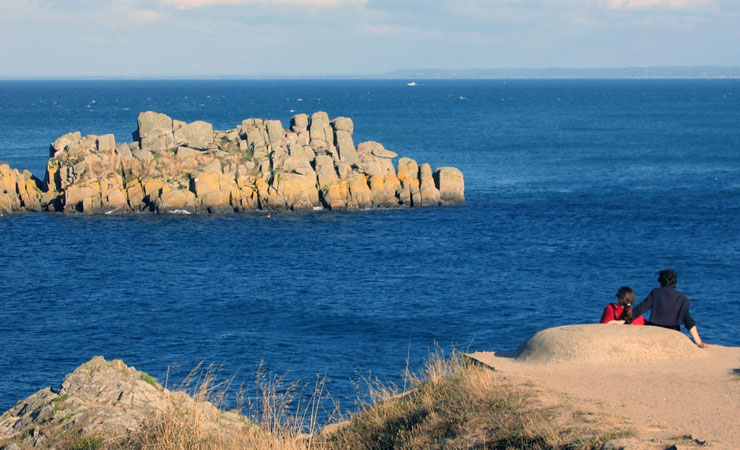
[104, 398]
[320, 131]
[142, 154]
[176, 166]
[370, 163]
[275, 131]
[360, 196]
[429, 194]
[298, 191]
[325, 171]
[64, 142]
[345, 147]
[343, 124]
[154, 131]
[176, 201]
[197, 134]
[451, 185]
[124, 151]
[106, 143]
[19, 191]
[408, 175]
[299, 123]
[153, 124]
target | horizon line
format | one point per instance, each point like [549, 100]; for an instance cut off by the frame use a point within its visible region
[626, 72]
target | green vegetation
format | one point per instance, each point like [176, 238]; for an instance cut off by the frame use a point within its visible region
[58, 402]
[87, 443]
[149, 379]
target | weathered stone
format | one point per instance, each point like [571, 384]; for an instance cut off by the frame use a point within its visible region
[186, 152]
[142, 155]
[335, 195]
[343, 124]
[298, 191]
[430, 195]
[152, 124]
[408, 175]
[343, 169]
[106, 399]
[124, 151]
[451, 185]
[176, 201]
[385, 189]
[275, 131]
[325, 171]
[64, 142]
[258, 164]
[319, 121]
[157, 144]
[346, 147]
[360, 196]
[197, 134]
[106, 143]
[299, 122]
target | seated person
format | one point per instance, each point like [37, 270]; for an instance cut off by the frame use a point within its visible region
[668, 307]
[621, 312]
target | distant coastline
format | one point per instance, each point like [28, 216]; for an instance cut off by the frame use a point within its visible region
[658, 72]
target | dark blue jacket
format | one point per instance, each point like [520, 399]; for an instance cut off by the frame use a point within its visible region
[668, 308]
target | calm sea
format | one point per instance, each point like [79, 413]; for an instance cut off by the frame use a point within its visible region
[573, 188]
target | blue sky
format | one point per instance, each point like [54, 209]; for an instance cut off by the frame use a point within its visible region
[317, 37]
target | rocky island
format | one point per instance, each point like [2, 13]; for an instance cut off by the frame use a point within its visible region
[177, 167]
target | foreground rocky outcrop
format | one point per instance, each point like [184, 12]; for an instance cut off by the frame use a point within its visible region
[103, 398]
[173, 166]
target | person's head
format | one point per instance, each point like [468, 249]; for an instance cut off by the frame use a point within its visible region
[667, 277]
[625, 295]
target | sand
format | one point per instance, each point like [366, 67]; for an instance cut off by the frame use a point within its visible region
[667, 390]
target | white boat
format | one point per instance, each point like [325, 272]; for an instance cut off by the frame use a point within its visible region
[413, 83]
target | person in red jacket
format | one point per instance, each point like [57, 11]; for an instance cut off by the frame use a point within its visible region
[621, 312]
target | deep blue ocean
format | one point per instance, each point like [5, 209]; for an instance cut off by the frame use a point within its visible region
[573, 187]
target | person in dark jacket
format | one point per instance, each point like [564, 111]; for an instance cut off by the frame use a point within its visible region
[668, 307]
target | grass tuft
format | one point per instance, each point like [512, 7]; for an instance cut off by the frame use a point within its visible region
[87, 443]
[458, 405]
[149, 379]
[58, 402]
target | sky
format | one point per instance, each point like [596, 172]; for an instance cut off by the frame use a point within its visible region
[134, 38]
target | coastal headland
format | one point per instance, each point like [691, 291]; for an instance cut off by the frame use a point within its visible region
[177, 167]
[576, 386]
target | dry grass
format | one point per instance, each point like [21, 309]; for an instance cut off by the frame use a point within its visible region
[458, 406]
[277, 417]
[452, 405]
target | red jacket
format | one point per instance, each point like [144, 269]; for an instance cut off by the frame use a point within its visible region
[614, 310]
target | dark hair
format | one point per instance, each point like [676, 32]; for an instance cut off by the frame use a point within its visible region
[623, 294]
[667, 277]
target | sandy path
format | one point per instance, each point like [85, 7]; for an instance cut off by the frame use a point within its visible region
[662, 399]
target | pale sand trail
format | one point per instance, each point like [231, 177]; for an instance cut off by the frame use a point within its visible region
[657, 380]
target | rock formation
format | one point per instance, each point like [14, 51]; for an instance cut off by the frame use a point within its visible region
[103, 398]
[599, 343]
[173, 166]
[19, 191]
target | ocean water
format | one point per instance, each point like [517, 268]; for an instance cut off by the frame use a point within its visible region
[574, 188]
